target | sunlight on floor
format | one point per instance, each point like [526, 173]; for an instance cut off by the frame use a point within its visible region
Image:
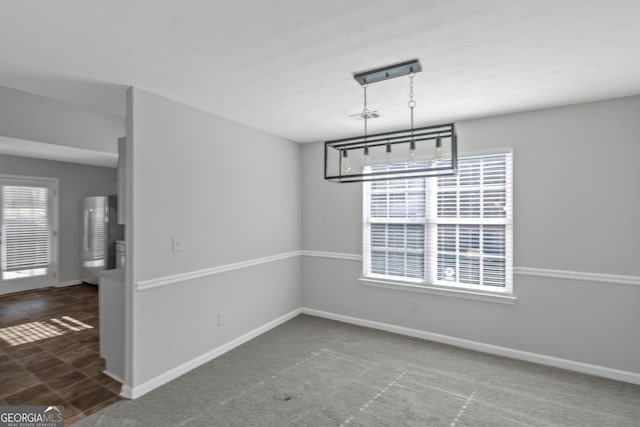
[36, 331]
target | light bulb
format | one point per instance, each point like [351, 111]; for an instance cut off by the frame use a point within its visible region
[388, 154]
[412, 151]
[438, 148]
[346, 165]
[366, 160]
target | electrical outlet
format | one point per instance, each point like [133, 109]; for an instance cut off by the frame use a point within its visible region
[415, 308]
[220, 319]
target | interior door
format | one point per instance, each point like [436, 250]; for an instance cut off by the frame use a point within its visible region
[27, 233]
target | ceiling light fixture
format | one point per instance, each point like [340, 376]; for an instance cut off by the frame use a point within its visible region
[410, 153]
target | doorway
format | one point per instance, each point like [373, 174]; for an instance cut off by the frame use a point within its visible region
[28, 232]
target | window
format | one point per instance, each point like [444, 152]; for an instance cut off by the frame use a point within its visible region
[27, 228]
[449, 231]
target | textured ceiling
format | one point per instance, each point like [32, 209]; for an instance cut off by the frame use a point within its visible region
[285, 66]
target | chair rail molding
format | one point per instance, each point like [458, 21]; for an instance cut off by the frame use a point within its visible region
[144, 285]
[578, 275]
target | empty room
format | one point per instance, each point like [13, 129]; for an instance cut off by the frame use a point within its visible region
[338, 213]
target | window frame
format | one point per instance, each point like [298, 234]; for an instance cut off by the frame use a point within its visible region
[367, 222]
[430, 283]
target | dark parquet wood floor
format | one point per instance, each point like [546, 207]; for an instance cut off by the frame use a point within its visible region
[49, 351]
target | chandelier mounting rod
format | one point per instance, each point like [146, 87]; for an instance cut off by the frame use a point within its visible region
[388, 72]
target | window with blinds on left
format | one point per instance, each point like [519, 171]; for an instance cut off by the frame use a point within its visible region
[27, 218]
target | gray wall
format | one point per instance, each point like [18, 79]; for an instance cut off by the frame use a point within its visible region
[576, 205]
[74, 182]
[36, 118]
[230, 194]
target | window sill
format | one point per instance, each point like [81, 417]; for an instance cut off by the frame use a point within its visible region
[436, 290]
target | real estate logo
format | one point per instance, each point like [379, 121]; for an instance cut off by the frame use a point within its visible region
[31, 416]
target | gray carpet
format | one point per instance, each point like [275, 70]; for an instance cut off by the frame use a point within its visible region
[316, 372]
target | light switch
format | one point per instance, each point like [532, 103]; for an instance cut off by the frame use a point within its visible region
[176, 244]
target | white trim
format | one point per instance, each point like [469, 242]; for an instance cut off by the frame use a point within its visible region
[68, 283]
[190, 275]
[126, 391]
[27, 178]
[450, 292]
[523, 271]
[579, 275]
[586, 368]
[332, 255]
[135, 392]
[39, 282]
[527, 271]
[486, 152]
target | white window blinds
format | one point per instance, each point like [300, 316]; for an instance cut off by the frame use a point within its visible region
[450, 231]
[395, 228]
[97, 228]
[25, 228]
[470, 227]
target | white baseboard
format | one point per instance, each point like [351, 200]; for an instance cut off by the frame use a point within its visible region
[126, 391]
[135, 392]
[47, 285]
[68, 283]
[601, 371]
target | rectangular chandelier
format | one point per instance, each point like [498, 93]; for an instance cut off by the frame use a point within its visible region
[413, 153]
[410, 153]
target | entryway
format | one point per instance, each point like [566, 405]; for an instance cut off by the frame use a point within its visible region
[49, 351]
[28, 218]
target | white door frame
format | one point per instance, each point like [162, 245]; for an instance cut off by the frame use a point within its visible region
[51, 278]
